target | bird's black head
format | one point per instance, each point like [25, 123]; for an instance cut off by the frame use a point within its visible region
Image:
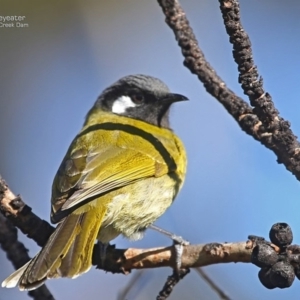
[140, 97]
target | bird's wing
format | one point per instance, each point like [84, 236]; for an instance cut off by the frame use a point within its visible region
[86, 174]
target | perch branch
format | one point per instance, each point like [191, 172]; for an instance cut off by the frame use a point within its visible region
[124, 260]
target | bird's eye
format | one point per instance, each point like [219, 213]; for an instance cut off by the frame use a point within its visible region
[137, 98]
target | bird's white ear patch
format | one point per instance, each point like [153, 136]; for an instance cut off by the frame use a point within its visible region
[121, 104]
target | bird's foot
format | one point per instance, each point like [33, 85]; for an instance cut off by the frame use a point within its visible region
[178, 242]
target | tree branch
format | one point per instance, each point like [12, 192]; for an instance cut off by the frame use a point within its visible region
[277, 134]
[13, 208]
[263, 122]
[195, 61]
[15, 250]
[124, 260]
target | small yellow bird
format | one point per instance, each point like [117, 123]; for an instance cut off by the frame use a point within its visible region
[121, 172]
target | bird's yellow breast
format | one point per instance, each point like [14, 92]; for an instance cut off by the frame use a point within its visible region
[133, 208]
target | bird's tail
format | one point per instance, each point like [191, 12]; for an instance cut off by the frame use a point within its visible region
[67, 253]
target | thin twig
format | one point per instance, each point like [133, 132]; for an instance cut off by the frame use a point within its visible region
[133, 281]
[212, 284]
[171, 282]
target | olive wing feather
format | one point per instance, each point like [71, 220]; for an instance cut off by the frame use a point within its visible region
[85, 174]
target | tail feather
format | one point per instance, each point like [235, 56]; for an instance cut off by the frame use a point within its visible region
[77, 261]
[56, 248]
[67, 253]
[13, 279]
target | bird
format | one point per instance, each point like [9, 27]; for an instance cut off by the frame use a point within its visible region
[120, 174]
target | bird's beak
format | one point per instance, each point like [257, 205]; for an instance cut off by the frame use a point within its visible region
[170, 98]
[173, 98]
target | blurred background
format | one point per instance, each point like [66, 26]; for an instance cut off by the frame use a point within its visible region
[52, 72]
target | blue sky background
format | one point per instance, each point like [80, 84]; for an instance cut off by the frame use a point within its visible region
[53, 71]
